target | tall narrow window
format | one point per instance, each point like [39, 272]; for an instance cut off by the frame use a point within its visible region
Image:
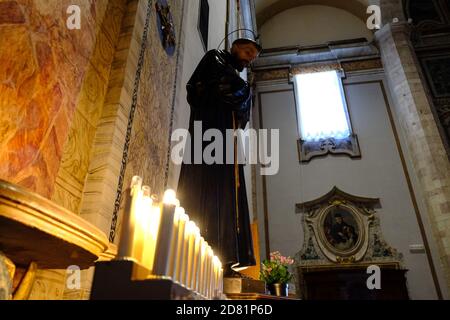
[203, 22]
[321, 104]
[323, 119]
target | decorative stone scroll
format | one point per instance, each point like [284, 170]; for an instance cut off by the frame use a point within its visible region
[311, 149]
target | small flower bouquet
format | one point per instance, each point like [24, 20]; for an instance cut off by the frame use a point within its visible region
[275, 270]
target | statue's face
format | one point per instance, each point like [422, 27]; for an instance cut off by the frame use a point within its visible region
[245, 54]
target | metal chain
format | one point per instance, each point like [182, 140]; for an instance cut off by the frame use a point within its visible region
[137, 77]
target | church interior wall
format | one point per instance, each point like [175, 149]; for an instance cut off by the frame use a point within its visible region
[378, 174]
[429, 205]
[67, 72]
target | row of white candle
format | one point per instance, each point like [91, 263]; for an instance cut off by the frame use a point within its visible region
[161, 237]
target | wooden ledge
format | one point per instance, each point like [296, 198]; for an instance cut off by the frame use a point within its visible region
[33, 228]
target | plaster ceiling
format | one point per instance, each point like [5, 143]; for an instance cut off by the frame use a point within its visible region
[266, 9]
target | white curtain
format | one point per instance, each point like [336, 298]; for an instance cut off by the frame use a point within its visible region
[321, 107]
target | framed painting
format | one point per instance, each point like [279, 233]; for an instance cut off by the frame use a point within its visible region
[338, 225]
[341, 229]
[342, 233]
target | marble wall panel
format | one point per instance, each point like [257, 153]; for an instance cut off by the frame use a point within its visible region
[42, 67]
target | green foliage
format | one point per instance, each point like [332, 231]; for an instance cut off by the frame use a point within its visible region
[276, 269]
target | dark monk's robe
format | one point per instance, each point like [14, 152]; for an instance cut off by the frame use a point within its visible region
[214, 195]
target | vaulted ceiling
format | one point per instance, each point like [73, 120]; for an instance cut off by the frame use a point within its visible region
[266, 9]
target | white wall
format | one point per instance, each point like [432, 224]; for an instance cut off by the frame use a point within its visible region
[217, 21]
[191, 55]
[378, 174]
[311, 25]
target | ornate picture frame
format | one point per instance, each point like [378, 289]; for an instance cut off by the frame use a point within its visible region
[357, 238]
[311, 149]
[344, 240]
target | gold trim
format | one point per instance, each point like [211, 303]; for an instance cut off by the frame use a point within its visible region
[315, 67]
[9, 265]
[273, 74]
[109, 254]
[347, 66]
[24, 289]
[361, 65]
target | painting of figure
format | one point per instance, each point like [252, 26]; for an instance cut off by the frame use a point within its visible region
[341, 229]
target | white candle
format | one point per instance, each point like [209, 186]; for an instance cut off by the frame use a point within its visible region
[204, 268]
[193, 230]
[131, 200]
[151, 232]
[164, 245]
[143, 210]
[214, 276]
[209, 256]
[221, 280]
[195, 262]
[200, 265]
[188, 245]
[179, 225]
[183, 219]
[217, 268]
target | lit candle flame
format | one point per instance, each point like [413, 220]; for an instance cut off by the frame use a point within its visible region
[170, 197]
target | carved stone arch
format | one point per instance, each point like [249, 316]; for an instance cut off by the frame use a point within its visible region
[354, 7]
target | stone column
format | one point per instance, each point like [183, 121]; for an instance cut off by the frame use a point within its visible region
[427, 151]
[100, 187]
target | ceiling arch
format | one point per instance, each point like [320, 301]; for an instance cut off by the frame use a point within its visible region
[268, 9]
